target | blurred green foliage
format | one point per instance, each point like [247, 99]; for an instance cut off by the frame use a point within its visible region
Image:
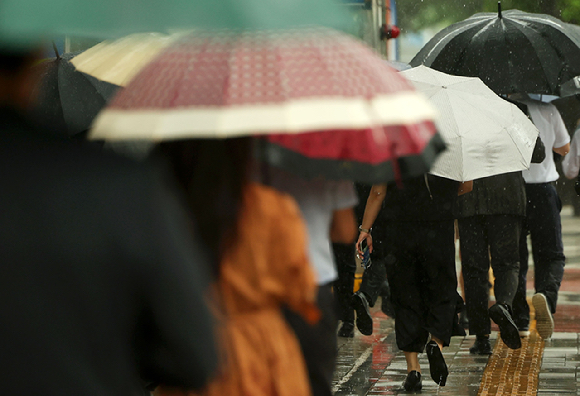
[415, 15]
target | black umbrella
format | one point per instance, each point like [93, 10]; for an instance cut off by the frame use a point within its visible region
[68, 100]
[569, 108]
[511, 52]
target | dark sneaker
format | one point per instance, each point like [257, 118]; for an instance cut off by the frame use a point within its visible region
[413, 382]
[437, 365]
[481, 346]
[544, 320]
[507, 328]
[364, 320]
[346, 330]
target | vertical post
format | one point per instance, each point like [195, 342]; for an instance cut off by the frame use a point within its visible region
[67, 44]
[388, 17]
[375, 26]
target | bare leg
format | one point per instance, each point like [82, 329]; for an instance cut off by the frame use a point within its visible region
[412, 362]
[438, 341]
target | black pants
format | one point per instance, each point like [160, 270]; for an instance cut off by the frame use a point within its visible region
[318, 342]
[480, 237]
[372, 280]
[420, 261]
[544, 225]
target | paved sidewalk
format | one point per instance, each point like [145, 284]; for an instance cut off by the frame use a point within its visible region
[374, 366]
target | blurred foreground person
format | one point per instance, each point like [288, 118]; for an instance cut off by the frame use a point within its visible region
[101, 282]
[420, 263]
[327, 207]
[259, 238]
[543, 223]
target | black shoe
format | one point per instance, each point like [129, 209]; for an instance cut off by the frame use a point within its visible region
[413, 382]
[346, 330]
[437, 365]
[481, 346]
[364, 320]
[507, 328]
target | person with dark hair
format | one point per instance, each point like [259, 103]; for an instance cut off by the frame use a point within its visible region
[102, 281]
[259, 239]
[420, 262]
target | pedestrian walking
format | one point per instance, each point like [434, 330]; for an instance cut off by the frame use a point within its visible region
[420, 264]
[259, 239]
[103, 285]
[374, 278]
[327, 207]
[489, 220]
[543, 223]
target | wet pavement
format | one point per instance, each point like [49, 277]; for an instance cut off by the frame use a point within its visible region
[374, 366]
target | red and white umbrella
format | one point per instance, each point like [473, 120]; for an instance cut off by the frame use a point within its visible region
[296, 83]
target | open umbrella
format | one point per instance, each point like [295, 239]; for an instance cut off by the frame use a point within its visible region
[485, 134]
[292, 82]
[67, 101]
[511, 51]
[118, 61]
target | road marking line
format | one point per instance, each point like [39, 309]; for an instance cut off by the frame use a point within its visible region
[358, 362]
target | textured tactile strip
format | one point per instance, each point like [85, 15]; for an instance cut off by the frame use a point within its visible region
[514, 372]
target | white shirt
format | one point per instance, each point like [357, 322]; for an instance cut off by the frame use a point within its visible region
[571, 162]
[553, 133]
[317, 199]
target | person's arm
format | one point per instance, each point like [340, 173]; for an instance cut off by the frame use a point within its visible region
[571, 163]
[343, 227]
[465, 187]
[372, 209]
[562, 141]
[562, 150]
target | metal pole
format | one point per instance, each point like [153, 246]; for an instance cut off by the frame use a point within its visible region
[387, 22]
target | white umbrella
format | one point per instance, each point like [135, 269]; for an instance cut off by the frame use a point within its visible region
[486, 135]
[118, 61]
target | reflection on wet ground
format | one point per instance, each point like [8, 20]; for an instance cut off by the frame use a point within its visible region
[374, 366]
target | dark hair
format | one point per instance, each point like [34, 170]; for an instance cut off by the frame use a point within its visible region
[12, 62]
[213, 173]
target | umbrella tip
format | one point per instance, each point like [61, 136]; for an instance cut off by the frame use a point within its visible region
[499, 9]
[55, 50]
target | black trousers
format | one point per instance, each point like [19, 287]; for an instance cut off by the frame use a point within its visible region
[318, 342]
[480, 237]
[372, 280]
[420, 262]
[544, 225]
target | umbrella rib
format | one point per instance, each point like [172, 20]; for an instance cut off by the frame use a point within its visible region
[525, 30]
[449, 37]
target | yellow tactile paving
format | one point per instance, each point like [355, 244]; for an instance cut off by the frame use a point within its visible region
[514, 372]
